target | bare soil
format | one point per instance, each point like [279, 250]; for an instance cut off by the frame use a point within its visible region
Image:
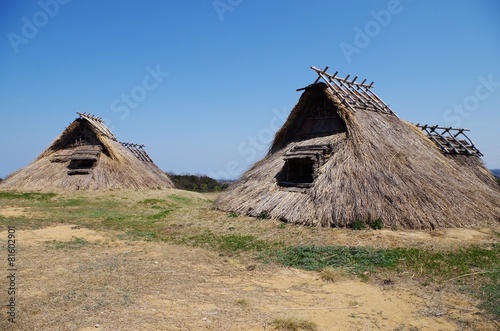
[73, 278]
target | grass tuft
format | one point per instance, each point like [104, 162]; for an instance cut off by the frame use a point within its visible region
[330, 274]
[358, 225]
[75, 243]
[244, 303]
[293, 324]
[376, 224]
[160, 215]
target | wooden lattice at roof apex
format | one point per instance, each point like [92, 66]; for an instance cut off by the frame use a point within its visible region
[98, 124]
[451, 140]
[351, 94]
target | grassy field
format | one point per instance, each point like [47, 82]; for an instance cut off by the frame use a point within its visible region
[166, 260]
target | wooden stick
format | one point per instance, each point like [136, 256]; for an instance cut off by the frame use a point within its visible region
[471, 274]
[319, 76]
[321, 308]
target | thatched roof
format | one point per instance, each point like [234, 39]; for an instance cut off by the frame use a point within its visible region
[344, 155]
[87, 156]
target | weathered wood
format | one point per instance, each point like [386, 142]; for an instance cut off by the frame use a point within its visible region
[324, 71]
[448, 141]
[351, 94]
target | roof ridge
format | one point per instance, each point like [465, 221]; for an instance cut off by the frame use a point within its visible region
[98, 124]
[351, 94]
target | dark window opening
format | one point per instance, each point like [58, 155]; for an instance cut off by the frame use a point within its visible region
[297, 172]
[84, 136]
[302, 164]
[81, 166]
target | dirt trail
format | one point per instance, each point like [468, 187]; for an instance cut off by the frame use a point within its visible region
[60, 233]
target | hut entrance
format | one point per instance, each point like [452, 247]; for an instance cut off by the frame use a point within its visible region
[302, 164]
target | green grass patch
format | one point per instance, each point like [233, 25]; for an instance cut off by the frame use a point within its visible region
[75, 243]
[358, 225]
[437, 265]
[160, 215]
[26, 196]
[319, 257]
[126, 223]
[442, 265]
[263, 216]
[73, 202]
[178, 198]
[376, 224]
[152, 201]
[100, 213]
[489, 294]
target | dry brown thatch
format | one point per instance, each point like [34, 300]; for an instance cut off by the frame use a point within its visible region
[335, 161]
[87, 156]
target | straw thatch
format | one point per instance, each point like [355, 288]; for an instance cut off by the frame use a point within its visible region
[361, 165]
[87, 156]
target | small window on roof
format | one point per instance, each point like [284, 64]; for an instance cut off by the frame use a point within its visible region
[297, 172]
[81, 166]
[302, 164]
[83, 159]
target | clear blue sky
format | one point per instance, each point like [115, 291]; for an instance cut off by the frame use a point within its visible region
[204, 84]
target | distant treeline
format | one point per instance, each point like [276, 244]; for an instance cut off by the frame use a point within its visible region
[198, 183]
[496, 172]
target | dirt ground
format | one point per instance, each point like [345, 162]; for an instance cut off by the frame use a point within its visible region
[98, 282]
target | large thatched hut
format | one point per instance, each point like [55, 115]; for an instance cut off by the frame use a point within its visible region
[87, 156]
[343, 155]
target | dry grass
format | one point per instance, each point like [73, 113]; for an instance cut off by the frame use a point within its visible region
[133, 275]
[291, 323]
[330, 274]
[120, 286]
[380, 168]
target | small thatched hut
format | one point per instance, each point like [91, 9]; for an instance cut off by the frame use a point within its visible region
[344, 155]
[87, 156]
